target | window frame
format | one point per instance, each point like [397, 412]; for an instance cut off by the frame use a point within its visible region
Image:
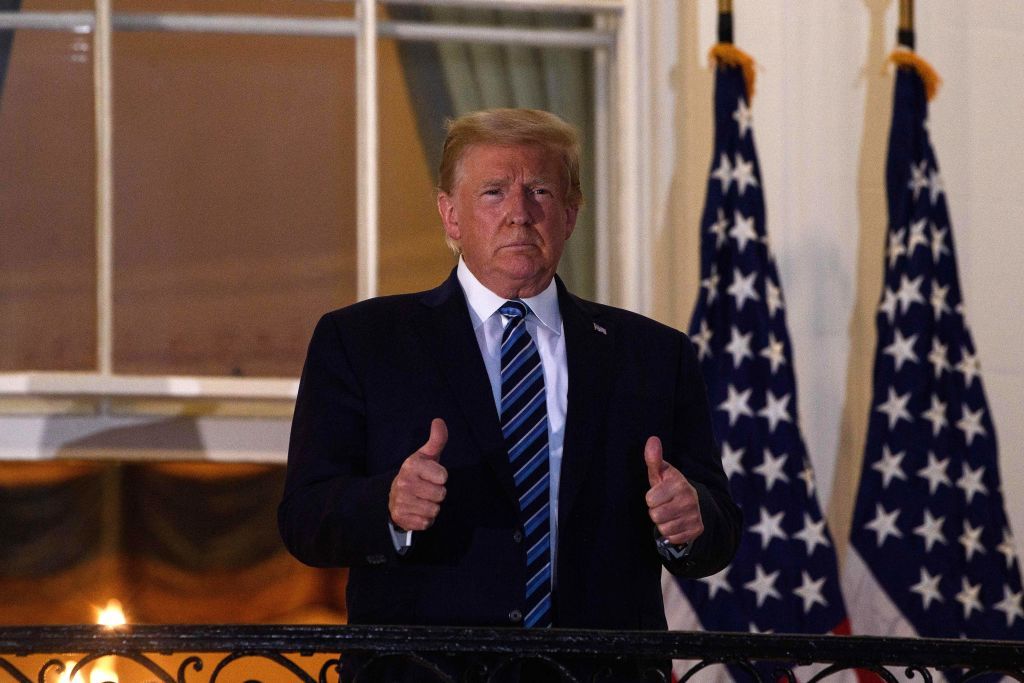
[625, 163]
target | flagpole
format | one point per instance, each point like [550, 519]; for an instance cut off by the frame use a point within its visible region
[725, 21]
[905, 35]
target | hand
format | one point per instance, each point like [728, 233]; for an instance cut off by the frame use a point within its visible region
[418, 489]
[671, 501]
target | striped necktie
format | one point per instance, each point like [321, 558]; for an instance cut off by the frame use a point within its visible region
[524, 424]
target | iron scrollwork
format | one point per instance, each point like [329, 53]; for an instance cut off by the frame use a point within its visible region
[317, 654]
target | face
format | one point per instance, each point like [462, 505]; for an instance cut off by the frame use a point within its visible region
[508, 213]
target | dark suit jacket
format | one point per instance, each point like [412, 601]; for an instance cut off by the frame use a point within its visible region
[379, 371]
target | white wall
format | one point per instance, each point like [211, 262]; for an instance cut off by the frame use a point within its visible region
[822, 112]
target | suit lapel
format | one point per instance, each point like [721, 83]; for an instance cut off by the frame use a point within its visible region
[447, 330]
[588, 348]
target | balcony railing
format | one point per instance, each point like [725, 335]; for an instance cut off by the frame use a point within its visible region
[182, 654]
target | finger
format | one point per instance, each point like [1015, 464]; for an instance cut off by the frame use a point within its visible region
[437, 441]
[655, 462]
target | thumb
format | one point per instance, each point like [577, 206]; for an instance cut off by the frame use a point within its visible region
[437, 441]
[655, 463]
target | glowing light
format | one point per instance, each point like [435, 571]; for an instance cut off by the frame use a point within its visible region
[65, 675]
[112, 615]
[103, 672]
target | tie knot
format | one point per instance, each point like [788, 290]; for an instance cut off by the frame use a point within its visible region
[514, 310]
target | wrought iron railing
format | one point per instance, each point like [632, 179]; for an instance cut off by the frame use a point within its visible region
[311, 654]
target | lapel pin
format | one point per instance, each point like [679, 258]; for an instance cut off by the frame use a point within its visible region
[600, 329]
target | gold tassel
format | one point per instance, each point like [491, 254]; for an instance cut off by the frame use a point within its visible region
[910, 60]
[730, 55]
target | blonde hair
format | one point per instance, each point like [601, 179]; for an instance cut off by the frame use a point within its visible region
[511, 127]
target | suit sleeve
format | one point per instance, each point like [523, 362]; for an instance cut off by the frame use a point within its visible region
[334, 512]
[696, 454]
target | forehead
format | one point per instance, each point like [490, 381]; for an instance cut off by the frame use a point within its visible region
[482, 162]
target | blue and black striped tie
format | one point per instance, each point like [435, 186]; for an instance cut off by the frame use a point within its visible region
[524, 424]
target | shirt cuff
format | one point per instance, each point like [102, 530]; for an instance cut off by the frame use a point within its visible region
[671, 551]
[401, 538]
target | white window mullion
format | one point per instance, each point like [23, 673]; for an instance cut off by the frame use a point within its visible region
[102, 85]
[367, 133]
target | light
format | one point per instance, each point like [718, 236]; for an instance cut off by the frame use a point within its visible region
[112, 615]
[103, 672]
[65, 675]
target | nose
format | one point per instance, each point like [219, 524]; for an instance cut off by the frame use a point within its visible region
[522, 207]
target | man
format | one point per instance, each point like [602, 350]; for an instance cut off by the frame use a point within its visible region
[497, 451]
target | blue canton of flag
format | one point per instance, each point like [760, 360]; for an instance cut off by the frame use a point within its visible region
[784, 578]
[929, 525]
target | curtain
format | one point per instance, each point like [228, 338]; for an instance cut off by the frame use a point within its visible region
[448, 79]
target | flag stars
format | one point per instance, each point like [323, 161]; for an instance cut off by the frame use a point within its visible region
[736, 404]
[889, 466]
[763, 585]
[810, 591]
[1010, 605]
[702, 340]
[936, 414]
[909, 292]
[902, 349]
[775, 352]
[918, 177]
[710, 283]
[732, 460]
[895, 407]
[771, 468]
[970, 482]
[968, 597]
[769, 527]
[935, 473]
[928, 588]
[812, 534]
[938, 299]
[970, 539]
[719, 227]
[896, 248]
[739, 346]
[931, 531]
[742, 288]
[743, 230]
[723, 173]
[884, 524]
[969, 366]
[939, 357]
[743, 116]
[775, 410]
[888, 305]
[743, 174]
[939, 243]
[718, 582]
[807, 475]
[935, 185]
[774, 297]
[1007, 549]
[970, 424]
[917, 238]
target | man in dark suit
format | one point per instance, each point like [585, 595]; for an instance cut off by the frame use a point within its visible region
[412, 463]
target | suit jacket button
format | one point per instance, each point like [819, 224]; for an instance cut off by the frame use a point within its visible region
[517, 536]
[515, 616]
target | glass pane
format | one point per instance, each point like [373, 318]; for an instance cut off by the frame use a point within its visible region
[47, 201]
[447, 79]
[235, 198]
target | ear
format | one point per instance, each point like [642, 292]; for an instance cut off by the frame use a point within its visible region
[446, 207]
[571, 212]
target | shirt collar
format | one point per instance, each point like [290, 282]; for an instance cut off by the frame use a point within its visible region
[483, 303]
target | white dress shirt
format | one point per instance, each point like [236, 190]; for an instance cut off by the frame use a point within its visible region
[544, 323]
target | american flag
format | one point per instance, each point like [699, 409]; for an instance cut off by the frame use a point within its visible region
[784, 577]
[930, 537]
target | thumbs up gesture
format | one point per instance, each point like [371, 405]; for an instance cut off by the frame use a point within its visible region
[671, 501]
[418, 489]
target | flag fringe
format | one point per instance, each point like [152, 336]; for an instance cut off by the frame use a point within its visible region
[730, 55]
[928, 74]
